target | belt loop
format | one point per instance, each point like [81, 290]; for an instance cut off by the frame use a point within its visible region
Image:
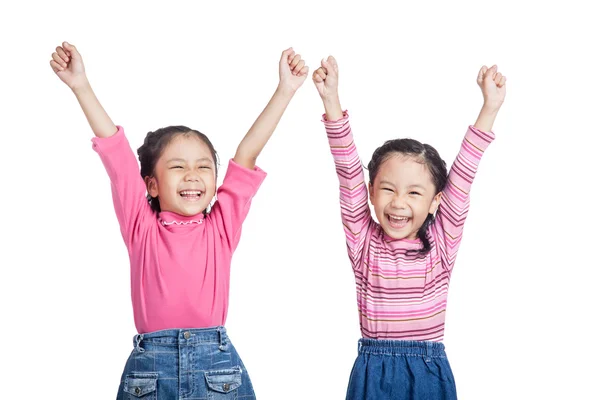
[138, 340]
[428, 351]
[222, 346]
[359, 345]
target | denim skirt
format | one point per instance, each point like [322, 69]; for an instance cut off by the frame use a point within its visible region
[401, 370]
[185, 364]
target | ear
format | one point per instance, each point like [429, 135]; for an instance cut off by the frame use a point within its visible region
[371, 193]
[435, 203]
[151, 186]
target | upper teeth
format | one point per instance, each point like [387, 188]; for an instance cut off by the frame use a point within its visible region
[398, 218]
[191, 192]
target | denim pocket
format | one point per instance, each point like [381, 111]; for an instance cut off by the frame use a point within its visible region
[223, 383]
[141, 386]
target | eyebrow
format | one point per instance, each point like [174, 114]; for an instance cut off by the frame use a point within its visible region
[182, 160]
[417, 186]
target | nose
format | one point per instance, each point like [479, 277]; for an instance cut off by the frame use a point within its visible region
[399, 202]
[191, 176]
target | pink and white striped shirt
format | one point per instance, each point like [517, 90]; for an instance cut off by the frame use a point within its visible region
[400, 294]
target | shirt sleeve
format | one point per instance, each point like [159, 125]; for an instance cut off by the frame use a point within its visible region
[354, 199]
[127, 186]
[448, 225]
[233, 200]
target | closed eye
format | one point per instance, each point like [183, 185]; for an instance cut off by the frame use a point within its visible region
[387, 189]
[415, 193]
[176, 166]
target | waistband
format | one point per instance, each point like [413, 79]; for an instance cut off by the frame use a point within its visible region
[401, 347]
[191, 336]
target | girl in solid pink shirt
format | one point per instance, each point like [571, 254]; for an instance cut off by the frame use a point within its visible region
[180, 247]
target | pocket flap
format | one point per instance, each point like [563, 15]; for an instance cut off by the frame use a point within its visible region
[224, 380]
[140, 384]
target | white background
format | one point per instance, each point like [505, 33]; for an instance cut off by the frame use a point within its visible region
[523, 303]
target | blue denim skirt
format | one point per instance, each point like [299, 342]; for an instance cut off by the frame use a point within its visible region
[402, 370]
[185, 364]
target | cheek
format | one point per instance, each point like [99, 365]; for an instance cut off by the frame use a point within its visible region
[420, 207]
[168, 184]
[379, 203]
[210, 184]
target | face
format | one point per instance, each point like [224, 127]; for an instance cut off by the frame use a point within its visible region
[184, 177]
[403, 194]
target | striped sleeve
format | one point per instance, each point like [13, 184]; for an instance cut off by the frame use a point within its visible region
[356, 215]
[450, 218]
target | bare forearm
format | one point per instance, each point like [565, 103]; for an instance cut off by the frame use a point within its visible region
[99, 121]
[259, 134]
[487, 116]
[333, 107]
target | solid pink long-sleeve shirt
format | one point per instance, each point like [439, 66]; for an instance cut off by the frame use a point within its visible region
[179, 265]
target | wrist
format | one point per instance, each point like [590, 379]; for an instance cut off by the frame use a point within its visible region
[285, 91]
[333, 108]
[331, 99]
[332, 105]
[81, 87]
[490, 108]
[486, 118]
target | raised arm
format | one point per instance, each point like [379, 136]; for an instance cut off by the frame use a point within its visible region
[243, 177]
[68, 65]
[354, 199]
[450, 218]
[292, 74]
[128, 188]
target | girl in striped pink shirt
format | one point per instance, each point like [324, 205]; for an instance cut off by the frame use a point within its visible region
[403, 261]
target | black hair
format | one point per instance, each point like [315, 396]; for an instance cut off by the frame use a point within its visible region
[154, 145]
[422, 153]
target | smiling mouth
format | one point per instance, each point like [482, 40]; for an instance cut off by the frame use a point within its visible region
[398, 222]
[191, 195]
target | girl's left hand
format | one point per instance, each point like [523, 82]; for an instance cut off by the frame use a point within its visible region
[292, 70]
[67, 64]
[493, 86]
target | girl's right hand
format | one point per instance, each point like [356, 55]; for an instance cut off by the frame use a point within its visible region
[68, 65]
[326, 78]
[493, 87]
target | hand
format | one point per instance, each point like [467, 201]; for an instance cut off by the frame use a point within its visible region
[68, 65]
[326, 78]
[292, 70]
[493, 87]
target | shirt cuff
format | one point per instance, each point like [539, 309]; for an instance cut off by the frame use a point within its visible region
[104, 144]
[255, 174]
[479, 138]
[340, 121]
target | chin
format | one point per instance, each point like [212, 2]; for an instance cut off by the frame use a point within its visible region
[396, 235]
[196, 212]
[191, 211]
